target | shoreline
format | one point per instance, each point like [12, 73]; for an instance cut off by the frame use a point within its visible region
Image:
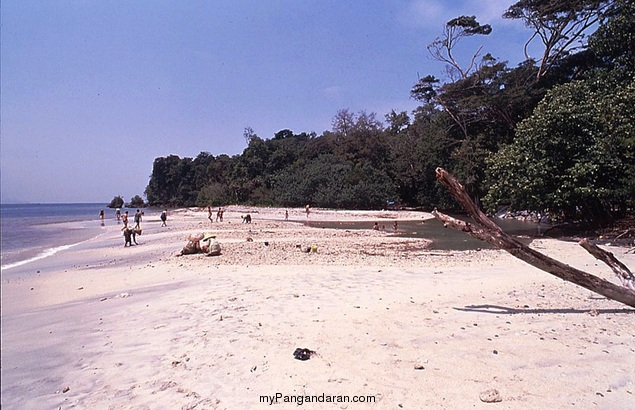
[103, 325]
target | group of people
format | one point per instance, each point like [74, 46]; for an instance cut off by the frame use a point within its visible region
[219, 214]
[395, 226]
[130, 232]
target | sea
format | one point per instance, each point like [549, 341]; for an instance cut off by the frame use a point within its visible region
[31, 232]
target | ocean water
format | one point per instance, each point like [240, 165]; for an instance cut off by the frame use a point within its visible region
[34, 231]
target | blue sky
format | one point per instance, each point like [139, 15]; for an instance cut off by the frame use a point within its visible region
[93, 91]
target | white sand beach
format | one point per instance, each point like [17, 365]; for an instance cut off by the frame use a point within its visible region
[101, 326]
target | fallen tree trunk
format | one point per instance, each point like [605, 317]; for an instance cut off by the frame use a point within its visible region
[489, 232]
[621, 271]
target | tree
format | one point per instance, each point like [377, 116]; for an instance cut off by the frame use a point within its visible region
[117, 202]
[442, 49]
[137, 202]
[488, 231]
[573, 156]
[561, 26]
[397, 122]
[614, 41]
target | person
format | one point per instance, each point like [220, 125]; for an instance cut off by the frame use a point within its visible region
[137, 219]
[219, 215]
[209, 214]
[222, 211]
[376, 226]
[394, 226]
[212, 247]
[308, 210]
[130, 235]
[118, 214]
[164, 217]
[101, 214]
[124, 219]
[247, 219]
[193, 245]
[286, 215]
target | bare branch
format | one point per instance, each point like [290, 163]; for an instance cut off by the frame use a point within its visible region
[489, 232]
[621, 271]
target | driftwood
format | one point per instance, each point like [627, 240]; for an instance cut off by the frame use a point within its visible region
[489, 232]
[623, 273]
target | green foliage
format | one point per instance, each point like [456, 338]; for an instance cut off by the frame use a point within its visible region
[552, 133]
[137, 202]
[573, 156]
[117, 202]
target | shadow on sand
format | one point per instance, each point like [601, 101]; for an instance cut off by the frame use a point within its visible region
[503, 310]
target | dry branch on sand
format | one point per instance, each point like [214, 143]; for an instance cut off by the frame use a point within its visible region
[489, 232]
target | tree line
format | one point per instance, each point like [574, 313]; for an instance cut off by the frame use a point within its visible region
[553, 134]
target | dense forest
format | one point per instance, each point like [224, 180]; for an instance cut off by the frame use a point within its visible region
[553, 135]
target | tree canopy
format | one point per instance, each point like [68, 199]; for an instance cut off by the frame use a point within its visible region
[552, 134]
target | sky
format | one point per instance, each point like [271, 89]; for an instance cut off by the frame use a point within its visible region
[93, 91]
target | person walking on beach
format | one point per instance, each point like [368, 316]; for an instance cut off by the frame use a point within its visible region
[137, 219]
[308, 210]
[124, 219]
[286, 215]
[209, 214]
[164, 217]
[118, 214]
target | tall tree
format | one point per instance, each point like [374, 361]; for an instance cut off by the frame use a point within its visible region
[561, 26]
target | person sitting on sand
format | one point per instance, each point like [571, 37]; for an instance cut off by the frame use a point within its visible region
[247, 219]
[193, 245]
[212, 247]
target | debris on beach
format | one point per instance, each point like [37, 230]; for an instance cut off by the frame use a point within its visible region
[303, 353]
[490, 396]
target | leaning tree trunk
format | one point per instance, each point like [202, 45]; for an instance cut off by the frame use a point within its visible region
[489, 232]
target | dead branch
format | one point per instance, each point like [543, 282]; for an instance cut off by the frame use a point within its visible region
[489, 232]
[621, 271]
